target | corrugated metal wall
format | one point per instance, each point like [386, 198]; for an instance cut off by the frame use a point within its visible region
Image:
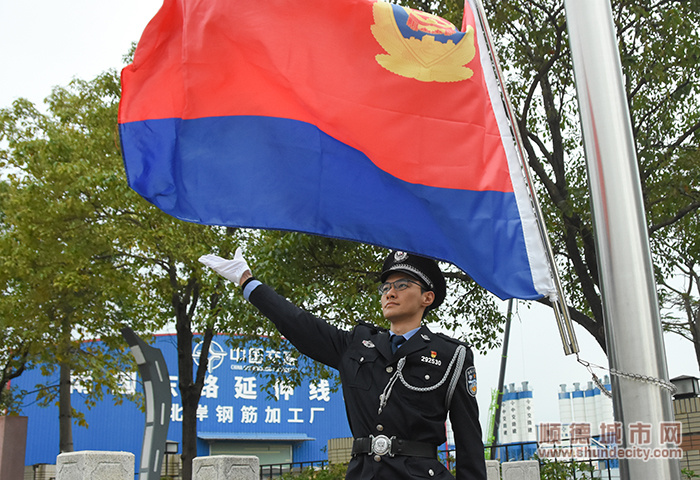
[232, 405]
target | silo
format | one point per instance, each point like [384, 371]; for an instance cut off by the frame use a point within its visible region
[565, 411]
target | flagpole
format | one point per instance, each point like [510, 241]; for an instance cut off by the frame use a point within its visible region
[502, 375]
[641, 391]
[558, 302]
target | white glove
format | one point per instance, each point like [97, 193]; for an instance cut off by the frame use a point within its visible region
[229, 269]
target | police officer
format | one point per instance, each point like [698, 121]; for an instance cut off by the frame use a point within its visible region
[399, 385]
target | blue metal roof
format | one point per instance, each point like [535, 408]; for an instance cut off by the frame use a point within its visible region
[277, 437]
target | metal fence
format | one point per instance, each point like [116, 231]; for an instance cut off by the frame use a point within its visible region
[594, 468]
[276, 470]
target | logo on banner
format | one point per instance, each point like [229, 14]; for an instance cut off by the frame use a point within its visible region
[216, 355]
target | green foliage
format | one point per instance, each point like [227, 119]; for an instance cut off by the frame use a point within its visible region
[689, 474]
[553, 470]
[659, 50]
[60, 275]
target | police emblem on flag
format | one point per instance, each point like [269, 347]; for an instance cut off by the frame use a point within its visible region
[422, 46]
[471, 381]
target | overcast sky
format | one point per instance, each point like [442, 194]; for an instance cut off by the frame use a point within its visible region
[44, 43]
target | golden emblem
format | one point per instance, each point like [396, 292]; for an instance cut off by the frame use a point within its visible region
[422, 56]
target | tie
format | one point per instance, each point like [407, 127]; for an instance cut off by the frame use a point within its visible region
[396, 341]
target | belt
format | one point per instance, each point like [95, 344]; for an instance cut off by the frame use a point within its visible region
[383, 445]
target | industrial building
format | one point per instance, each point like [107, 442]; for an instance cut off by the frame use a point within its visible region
[235, 415]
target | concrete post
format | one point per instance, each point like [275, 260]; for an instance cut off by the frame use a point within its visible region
[93, 465]
[13, 444]
[523, 470]
[493, 470]
[226, 467]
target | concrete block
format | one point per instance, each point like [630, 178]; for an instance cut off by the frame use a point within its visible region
[523, 470]
[226, 467]
[13, 443]
[95, 465]
[493, 470]
[40, 471]
[340, 450]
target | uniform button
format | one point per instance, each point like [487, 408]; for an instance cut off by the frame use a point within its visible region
[427, 377]
[377, 458]
[362, 359]
[430, 472]
[389, 369]
[380, 427]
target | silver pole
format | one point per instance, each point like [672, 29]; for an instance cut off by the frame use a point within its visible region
[631, 310]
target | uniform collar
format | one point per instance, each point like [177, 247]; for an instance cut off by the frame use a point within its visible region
[406, 335]
[419, 338]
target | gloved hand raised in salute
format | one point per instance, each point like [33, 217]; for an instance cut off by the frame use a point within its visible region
[235, 270]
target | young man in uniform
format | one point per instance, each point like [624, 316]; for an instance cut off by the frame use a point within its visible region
[399, 385]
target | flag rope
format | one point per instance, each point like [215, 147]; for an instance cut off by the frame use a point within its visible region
[558, 299]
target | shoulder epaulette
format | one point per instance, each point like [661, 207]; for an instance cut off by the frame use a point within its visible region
[371, 326]
[453, 340]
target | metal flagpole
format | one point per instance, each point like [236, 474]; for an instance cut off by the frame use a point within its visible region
[641, 397]
[561, 311]
[502, 374]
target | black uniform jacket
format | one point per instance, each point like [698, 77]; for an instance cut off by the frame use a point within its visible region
[416, 412]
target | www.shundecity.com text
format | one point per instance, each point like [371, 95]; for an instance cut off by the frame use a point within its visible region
[606, 441]
[608, 453]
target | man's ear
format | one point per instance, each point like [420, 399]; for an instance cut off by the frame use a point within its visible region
[428, 298]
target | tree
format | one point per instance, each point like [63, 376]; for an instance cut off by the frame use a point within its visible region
[172, 287]
[15, 347]
[659, 50]
[84, 255]
[60, 276]
[680, 278]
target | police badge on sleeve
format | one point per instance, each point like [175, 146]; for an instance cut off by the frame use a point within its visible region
[471, 381]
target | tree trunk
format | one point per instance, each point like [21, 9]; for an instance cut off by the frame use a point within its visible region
[189, 433]
[191, 385]
[694, 326]
[65, 409]
[189, 402]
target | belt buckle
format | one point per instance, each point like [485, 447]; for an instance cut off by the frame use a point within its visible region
[381, 445]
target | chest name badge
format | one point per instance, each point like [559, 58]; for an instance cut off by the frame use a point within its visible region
[432, 359]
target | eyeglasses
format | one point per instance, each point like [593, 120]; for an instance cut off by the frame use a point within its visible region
[401, 284]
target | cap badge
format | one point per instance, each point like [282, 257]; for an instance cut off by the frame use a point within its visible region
[400, 256]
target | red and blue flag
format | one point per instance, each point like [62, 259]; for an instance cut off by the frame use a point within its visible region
[352, 119]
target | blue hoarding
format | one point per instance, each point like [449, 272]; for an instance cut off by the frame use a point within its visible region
[235, 414]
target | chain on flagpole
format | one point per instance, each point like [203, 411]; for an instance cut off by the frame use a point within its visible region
[630, 376]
